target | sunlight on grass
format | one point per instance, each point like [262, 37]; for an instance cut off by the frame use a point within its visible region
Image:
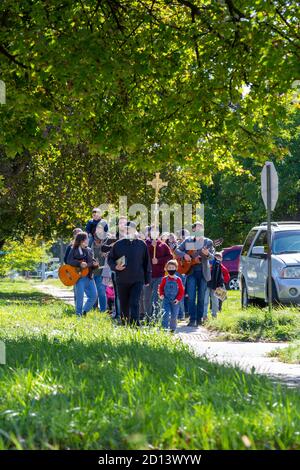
[88, 384]
[254, 323]
[291, 354]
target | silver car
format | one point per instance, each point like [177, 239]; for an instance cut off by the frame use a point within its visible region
[253, 275]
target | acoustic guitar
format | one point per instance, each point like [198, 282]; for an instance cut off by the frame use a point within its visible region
[184, 267]
[69, 275]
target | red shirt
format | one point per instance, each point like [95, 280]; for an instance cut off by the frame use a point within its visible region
[177, 279]
[225, 272]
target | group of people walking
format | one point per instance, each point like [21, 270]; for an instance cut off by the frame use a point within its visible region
[136, 273]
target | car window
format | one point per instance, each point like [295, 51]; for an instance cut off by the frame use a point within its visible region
[286, 242]
[231, 255]
[248, 241]
[262, 240]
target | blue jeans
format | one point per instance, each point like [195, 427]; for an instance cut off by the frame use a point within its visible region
[86, 286]
[170, 314]
[101, 293]
[196, 285]
[181, 313]
[214, 303]
[151, 300]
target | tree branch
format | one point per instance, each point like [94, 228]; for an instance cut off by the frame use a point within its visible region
[235, 13]
[13, 58]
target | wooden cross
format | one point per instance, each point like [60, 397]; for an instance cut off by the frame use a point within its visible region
[157, 183]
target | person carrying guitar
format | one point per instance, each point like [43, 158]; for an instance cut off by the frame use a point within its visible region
[81, 256]
[201, 250]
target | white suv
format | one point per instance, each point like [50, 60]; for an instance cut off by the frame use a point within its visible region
[253, 273]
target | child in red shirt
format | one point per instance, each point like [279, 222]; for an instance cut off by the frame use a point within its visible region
[171, 292]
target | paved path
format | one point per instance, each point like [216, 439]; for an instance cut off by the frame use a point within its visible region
[247, 356]
[63, 293]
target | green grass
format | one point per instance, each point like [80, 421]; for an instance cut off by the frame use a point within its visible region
[291, 354]
[87, 384]
[254, 323]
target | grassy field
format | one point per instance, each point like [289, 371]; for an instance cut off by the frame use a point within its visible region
[255, 324]
[87, 384]
[291, 354]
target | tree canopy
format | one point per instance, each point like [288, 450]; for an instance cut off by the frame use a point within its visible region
[155, 79]
[178, 86]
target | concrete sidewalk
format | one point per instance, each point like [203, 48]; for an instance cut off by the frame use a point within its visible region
[250, 357]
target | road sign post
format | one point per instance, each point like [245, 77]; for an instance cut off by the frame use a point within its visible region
[269, 211]
[269, 191]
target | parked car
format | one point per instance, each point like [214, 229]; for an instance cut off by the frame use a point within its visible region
[53, 274]
[33, 274]
[285, 264]
[231, 260]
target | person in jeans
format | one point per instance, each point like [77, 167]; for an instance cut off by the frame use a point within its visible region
[81, 256]
[132, 274]
[219, 276]
[181, 313]
[217, 280]
[68, 249]
[100, 238]
[201, 249]
[171, 292]
[162, 256]
[181, 235]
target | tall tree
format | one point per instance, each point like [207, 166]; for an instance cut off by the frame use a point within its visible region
[233, 202]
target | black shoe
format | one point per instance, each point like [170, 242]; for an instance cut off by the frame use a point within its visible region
[191, 323]
[84, 314]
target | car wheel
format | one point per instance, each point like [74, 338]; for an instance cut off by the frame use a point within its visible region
[50, 277]
[233, 284]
